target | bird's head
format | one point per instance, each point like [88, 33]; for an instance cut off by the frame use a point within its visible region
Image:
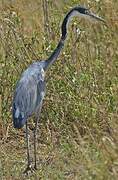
[81, 12]
[85, 12]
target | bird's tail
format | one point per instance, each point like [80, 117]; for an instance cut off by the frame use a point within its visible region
[19, 119]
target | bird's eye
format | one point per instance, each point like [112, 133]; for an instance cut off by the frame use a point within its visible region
[86, 11]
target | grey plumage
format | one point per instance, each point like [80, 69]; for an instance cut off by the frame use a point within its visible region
[29, 93]
[30, 89]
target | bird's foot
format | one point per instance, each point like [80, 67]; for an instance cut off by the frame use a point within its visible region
[29, 170]
[35, 167]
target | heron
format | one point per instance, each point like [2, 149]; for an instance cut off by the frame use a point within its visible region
[31, 87]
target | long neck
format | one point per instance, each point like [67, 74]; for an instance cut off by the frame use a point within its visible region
[66, 21]
[60, 45]
[54, 55]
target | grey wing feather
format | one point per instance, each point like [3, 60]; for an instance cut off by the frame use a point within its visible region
[28, 95]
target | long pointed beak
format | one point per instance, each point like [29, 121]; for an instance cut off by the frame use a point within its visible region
[92, 15]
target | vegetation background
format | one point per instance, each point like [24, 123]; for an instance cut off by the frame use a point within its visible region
[78, 136]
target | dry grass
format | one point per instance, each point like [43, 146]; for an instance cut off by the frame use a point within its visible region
[78, 136]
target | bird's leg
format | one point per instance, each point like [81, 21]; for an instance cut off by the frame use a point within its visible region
[28, 151]
[28, 148]
[37, 117]
[35, 141]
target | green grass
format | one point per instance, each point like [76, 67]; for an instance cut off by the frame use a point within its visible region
[78, 133]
